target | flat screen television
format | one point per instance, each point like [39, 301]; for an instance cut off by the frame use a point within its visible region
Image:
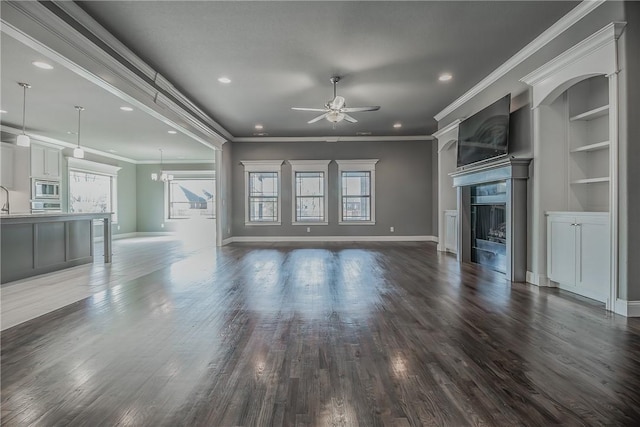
[485, 135]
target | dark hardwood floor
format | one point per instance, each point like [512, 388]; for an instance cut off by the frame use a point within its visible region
[331, 334]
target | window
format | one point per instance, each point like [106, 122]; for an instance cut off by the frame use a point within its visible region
[92, 187]
[262, 183]
[191, 198]
[357, 191]
[309, 178]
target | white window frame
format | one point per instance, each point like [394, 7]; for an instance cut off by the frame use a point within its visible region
[186, 174]
[309, 166]
[87, 166]
[262, 166]
[364, 165]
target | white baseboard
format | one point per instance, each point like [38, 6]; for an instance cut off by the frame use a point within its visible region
[538, 280]
[627, 308]
[154, 233]
[275, 239]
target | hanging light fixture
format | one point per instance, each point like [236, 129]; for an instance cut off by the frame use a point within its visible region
[162, 176]
[24, 140]
[78, 152]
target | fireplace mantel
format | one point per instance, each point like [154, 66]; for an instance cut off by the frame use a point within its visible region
[508, 168]
[514, 173]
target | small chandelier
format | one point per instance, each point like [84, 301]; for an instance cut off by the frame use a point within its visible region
[162, 176]
[78, 152]
[24, 140]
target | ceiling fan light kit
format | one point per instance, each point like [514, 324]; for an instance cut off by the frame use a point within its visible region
[336, 110]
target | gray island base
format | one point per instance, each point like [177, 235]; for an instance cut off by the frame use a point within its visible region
[34, 244]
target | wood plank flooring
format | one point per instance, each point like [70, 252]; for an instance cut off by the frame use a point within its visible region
[323, 335]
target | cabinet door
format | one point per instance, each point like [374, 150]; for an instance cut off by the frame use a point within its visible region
[38, 161]
[52, 163]
[593, 244]
[6, 178]
[451, 233]
[561, 250]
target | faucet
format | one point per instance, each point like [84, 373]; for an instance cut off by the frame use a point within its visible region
[5, 207]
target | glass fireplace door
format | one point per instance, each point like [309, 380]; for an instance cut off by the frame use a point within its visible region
[488, 225]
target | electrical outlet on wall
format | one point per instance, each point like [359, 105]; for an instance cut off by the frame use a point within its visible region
[392, 229]
[118, 227]
[308, 229]
[161, 225]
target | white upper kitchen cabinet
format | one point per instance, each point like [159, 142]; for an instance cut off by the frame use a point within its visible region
[45, 162]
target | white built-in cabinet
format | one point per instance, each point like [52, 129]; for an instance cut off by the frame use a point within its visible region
[578, 252]
[451, 231]
[45, 162]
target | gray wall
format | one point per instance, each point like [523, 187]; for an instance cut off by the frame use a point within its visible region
[150, 196]
[630, 156]
[403, 186]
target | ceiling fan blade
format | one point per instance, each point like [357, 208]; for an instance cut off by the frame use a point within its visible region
[359, 109]
[349, 118]
[337, 103]
[317, 119]
[308, 109]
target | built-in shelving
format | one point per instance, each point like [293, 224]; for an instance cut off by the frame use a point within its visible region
[604, 145]
[589, 145]
[591, 114]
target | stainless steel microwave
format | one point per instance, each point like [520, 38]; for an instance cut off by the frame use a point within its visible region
[42, 189]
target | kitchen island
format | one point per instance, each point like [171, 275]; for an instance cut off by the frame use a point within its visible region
[39, 243]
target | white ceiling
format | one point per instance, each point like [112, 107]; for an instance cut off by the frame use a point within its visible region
[278, 55]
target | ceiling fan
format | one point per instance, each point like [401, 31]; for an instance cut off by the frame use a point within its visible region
[336, 110]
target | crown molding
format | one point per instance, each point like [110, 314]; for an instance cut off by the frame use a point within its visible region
[177, 162]
[563, 24]
[128, 78]
[591, 44]
[335, 138]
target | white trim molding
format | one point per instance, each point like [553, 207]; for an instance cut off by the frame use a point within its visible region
[253, 166]
[93, 167]
[539, 280]
[361, 165]
[398, 138]
[627, 308]
[595, 55]
[563, 24]
[321, 166]
[276, 239]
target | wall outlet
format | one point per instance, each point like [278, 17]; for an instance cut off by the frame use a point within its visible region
[391, 229]
[161, 225]
[118, 227]
[308, 229]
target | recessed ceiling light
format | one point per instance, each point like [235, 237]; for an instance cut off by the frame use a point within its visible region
[112, 151]
[445, 77]
[225, 80]
[43, 65]
[397, 125]
[3, 112]
[70, 132]
[126, 108]
[363, 133]
[172, 132]
[260, 134]
[259, 127]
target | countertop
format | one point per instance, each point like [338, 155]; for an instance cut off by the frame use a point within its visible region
[22, 217]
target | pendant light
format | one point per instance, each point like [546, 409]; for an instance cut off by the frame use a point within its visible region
[24, 140]
[162, 176]
[78, 152]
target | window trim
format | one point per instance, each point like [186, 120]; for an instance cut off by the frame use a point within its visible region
[87, 166]
[204, 174]
[262, 166]
[363, 165]
[309, 166]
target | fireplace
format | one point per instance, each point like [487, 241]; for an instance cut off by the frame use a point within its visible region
[488, 225]
[492, 216]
